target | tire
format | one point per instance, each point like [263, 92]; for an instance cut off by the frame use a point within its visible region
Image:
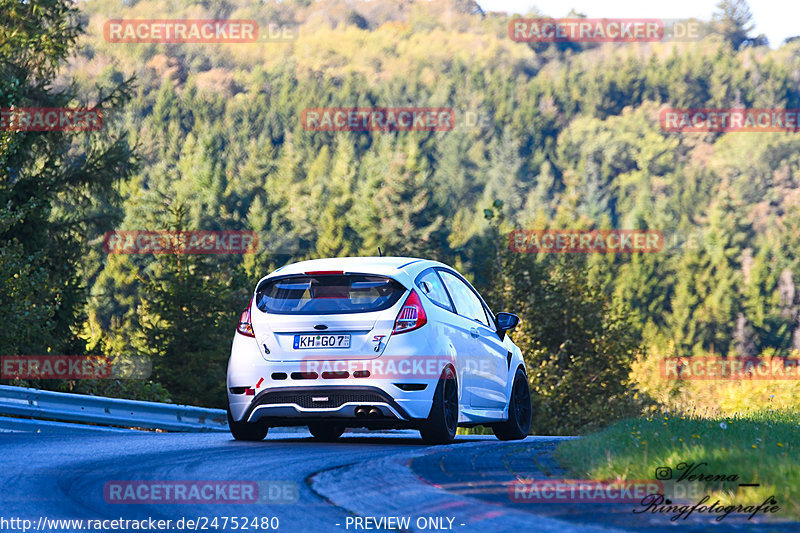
[519, 411]
[248, 431]
[326, 432]
[442, 423]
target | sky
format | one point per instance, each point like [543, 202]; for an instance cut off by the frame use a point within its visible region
[777, 19]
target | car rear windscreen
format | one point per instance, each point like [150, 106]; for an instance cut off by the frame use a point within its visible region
[328, 294]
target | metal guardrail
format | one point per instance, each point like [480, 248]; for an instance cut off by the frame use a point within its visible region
[62, 406]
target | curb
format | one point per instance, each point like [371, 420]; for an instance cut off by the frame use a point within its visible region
[387, 487]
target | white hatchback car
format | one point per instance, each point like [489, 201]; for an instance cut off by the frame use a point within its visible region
[374, 342]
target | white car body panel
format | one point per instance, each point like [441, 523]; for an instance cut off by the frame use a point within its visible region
[484, 370]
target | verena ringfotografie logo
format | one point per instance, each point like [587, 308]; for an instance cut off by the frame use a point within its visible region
[582, 491]
[378, 119]
[50, 119]
[180, 242]
[724, 120]
[200, 492]
[693, 484]
[180, 31]
[74, 367]
[658, 504]
[713, 368]
[585, 241]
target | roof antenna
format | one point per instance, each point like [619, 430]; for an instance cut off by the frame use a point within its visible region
[380, 254]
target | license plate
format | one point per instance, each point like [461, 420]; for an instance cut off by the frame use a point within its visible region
[303, 342]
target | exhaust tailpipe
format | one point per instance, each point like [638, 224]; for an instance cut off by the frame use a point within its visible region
[374, 412]
[361, 412]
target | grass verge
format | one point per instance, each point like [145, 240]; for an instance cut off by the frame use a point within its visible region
[758, 447]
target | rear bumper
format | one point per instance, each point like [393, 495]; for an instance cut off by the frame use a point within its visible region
[280, 393]
[303, 404]
[283, 405]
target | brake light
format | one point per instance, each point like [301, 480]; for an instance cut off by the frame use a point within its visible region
[245, 327]
[324, 273]
[411, 315]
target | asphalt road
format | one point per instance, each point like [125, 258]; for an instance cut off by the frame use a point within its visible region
[349, 485]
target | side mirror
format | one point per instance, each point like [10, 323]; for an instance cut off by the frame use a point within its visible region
[505, 322]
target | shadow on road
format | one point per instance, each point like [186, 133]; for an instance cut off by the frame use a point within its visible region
[383, 439]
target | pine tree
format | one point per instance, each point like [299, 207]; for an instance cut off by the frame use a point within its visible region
[57, 188]
[188, 313]
[400, 215]
[336, 237]
[735, 22]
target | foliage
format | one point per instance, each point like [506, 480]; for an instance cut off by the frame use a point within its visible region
[756, 447]
[578, 344]
[57, 189]
[562, 136]
[185, 321]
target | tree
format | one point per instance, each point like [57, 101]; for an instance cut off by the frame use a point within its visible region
[398, 212]
[577, 342]
[188, 314]
[707, 301]
[734, 21]
[57, 189]
[505, 178]
[336, 236]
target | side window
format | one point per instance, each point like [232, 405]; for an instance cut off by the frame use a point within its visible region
[467, 303]
[430, 285]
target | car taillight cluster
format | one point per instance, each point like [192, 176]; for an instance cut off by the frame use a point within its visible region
[411, 316]
[245, 327]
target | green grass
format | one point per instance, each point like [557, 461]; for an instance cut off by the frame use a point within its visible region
[761, 447]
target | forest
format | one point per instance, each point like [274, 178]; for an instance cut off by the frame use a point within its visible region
[545, 136]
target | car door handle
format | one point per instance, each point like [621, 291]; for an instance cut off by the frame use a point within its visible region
[474, 332]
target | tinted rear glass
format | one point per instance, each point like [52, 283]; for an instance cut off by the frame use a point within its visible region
[329, 294]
